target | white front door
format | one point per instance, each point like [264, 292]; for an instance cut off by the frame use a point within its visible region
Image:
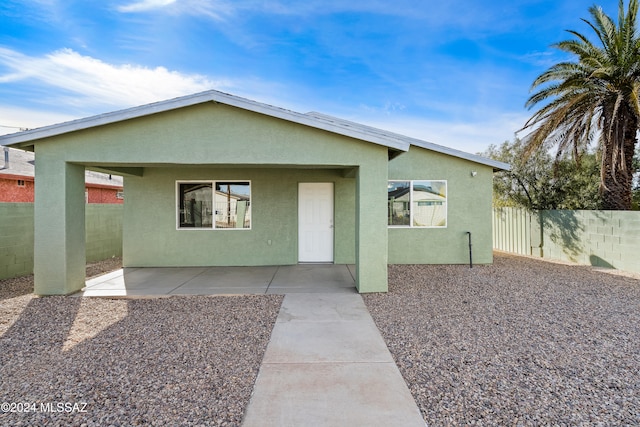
[315, 222]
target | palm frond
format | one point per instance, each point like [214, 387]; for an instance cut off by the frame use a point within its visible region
[593, 98]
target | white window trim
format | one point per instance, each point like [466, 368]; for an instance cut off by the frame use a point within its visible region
[213, 189]
[446, 207]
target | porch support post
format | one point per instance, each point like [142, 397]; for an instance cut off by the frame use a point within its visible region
[371, 227]
[59, 227]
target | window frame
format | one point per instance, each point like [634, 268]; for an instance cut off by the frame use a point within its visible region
[411, 201]
[213, 198]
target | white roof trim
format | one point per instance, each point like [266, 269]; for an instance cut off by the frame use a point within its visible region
[186, 101]
[413, 141]
[315, 120]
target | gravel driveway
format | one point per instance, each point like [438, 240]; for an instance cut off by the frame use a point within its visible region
[521, 342]
[168, 361]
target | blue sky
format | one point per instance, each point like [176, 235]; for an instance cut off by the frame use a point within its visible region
[455, 73]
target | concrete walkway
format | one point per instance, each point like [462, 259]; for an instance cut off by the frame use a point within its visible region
[327, 365]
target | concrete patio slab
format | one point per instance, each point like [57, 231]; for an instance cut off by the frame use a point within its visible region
[327, 365]
[311, 275]
[162, 281]
[282, 290]
[232, 277]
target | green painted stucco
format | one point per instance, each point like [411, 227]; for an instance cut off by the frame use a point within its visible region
[211, 141]
[469, 209]
[151, 237]
[59, 224]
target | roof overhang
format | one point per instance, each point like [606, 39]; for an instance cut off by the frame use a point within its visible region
[396, 144]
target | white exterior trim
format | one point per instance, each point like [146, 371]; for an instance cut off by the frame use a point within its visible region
[213, 201]
[312, 119]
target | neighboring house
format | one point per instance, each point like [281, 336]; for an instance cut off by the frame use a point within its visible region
[17, 172]
[217, 180]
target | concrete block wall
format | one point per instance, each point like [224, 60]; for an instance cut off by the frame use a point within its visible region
[600, 238]
[16, 239]
[103, 231]
[103, 235]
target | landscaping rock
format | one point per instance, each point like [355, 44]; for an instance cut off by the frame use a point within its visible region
[519, 342]
[98, 362]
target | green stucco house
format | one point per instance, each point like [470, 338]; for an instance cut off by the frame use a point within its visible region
[212, 179]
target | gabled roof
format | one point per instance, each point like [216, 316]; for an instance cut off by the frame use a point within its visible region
[391, 140]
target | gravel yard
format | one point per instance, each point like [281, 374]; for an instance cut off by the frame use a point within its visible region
[521, 342]
[167, 361]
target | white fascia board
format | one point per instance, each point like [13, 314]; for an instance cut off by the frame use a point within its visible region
[315, 120]
[416, 142]
[103, 119]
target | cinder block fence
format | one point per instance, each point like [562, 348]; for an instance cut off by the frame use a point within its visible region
[599, 238]
[103, 235]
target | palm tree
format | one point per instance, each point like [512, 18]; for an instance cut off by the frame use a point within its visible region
[595, 98]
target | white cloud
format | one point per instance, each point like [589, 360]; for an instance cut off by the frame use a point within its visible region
[144, 5]
[65, 85]
[213, 9]
[91, 82]
[220, 9]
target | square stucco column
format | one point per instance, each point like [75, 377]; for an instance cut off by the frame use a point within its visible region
[371, 228]
[59, 227]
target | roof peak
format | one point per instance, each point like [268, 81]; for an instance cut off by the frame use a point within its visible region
[317, 120]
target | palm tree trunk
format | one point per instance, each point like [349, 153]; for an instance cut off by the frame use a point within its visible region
[617, 189]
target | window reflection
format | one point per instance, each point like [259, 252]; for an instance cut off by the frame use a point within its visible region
[233, 205]
[214, 204]
[398, 196]
[195, 205]
[429, 204]
[418, 203]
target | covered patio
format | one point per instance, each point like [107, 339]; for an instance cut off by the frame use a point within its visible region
[166, 281]
[215, 180]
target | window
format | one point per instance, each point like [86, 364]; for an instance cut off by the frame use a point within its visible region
[21, 183]
[417, 203]
[214, 205]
